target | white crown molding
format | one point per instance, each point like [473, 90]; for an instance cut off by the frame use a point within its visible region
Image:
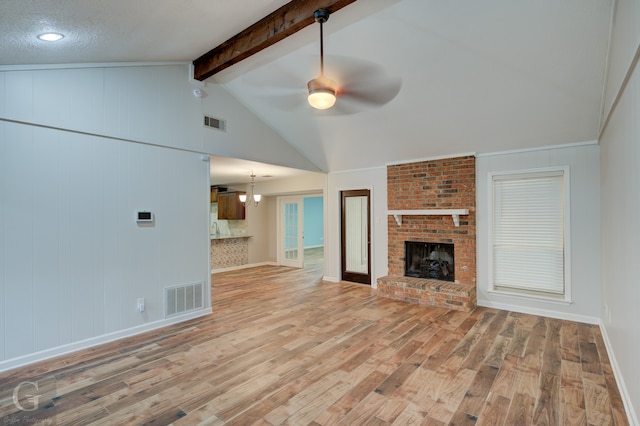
[439, 157]
[539, 148]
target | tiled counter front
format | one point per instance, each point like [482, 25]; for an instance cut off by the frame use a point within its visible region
[229, 251]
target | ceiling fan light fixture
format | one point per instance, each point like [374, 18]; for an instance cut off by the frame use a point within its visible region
[322, 94]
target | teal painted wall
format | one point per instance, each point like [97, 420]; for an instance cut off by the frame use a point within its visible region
[313, 222]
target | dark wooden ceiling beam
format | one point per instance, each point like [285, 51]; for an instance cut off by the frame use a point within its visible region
[287, 20]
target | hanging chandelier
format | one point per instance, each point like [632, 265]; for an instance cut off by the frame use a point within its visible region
[252, 195]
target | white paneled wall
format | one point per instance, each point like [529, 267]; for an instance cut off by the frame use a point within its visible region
[81, 148]
[151, 104]
[584, 173]
[73, 260]
[135, 103]
[620, 245]
[620, 181]
[374, 179]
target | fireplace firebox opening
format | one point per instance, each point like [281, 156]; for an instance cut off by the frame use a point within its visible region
[429, 260]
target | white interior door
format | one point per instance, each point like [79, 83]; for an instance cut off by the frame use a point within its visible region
[290, 232]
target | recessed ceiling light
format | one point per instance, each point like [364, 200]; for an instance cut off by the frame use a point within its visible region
[51, 36]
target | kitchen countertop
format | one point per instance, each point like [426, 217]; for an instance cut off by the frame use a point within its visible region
[227, 236]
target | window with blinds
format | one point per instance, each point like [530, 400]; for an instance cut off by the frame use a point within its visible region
[528, 233]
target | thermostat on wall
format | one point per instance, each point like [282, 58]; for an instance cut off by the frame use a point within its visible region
[144, 216]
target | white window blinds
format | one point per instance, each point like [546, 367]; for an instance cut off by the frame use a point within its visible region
[528, 232]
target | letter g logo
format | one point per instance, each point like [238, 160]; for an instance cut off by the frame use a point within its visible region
[32, 399]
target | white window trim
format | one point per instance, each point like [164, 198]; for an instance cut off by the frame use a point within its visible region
[566, 298]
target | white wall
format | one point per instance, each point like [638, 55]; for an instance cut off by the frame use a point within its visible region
[583, 162]
[150, 104]
[73, 260]
[621, 237]
[374, 179]
[625, 37]
[620, 185]
[82, 148]
[258, 226]
[272, 230]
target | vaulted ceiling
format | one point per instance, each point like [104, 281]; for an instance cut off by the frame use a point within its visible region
[465, 75]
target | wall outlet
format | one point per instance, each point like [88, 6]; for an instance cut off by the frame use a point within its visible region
[141, 304]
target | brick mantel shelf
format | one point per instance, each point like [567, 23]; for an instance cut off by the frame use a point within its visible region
[454, 213]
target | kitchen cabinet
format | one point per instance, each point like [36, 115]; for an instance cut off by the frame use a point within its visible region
[215, 190]
[229, 206]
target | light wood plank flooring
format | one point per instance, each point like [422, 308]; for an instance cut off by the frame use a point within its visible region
[283, 347]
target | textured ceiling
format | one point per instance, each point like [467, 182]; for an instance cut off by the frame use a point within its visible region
[121, 30]
[230, 171]
[474, 76]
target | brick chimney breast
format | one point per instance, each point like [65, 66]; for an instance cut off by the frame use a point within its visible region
[437, 184]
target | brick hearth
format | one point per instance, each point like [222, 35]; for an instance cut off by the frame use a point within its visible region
[422, 291]
[437, 184]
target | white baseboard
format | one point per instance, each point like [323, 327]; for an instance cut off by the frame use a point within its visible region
[542, 312]
[622, 387]
[248, 265]
[330, 279]
[98, 340]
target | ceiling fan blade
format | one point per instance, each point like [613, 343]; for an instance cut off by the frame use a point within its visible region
[341, 107]
[286, 102]
[376, 94]
[349, 70]
[361, 83]
[274, 76]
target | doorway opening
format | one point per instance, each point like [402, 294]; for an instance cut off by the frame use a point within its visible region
[301, 231]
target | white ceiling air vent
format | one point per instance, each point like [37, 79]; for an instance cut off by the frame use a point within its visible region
[215, 123]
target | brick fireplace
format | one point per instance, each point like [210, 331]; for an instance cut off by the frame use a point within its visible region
[432, 185]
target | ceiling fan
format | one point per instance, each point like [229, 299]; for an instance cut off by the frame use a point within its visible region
[322, 90]
[352, 85]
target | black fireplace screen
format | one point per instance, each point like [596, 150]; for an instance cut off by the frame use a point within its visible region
[429, 260]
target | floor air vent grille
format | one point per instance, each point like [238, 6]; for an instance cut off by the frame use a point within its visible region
[183, 298]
